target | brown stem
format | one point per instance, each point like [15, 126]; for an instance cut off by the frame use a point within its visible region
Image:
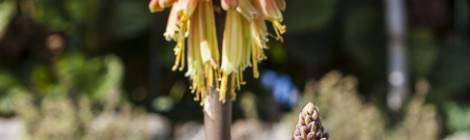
[217, 117]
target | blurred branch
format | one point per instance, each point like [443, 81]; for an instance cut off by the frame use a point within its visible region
[397, 56]
[7, 10]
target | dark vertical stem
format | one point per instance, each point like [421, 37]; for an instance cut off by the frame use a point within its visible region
[397, 56]
[217, 117]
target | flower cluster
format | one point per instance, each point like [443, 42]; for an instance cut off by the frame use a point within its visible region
[192, 26]
[309, 126]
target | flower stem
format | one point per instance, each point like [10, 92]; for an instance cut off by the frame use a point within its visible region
[217, 117]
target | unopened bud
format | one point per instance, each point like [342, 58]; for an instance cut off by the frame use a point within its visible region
[154, 6]
[309, 126]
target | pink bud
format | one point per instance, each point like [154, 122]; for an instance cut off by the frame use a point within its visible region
[154, 6]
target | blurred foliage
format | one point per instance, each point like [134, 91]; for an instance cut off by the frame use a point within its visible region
[74, 75]
[362, 38]
[425, 52]
[457, 117]
[421, 120]
[7, 10]
[450, 77]
[60, 118]
[79, 99]
[64, 15]
[79, 75]
[7, 83]
[346, 115]
[299, 14]
[129, 18]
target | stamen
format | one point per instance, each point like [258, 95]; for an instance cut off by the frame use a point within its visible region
[216, 79]
[182, 57]
[209, 76]
[223, 87]
[179, 48]
[237, 80]
[178, 53]
[241, 79]
[255, 62]
[279, 29]
[196, 98]
[232, 87]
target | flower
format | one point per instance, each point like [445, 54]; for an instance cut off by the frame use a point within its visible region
[245, 37]
[232, 52]
[191, 25]
[203, 55]
[272, 11]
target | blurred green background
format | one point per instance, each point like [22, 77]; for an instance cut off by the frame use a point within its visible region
[89, 59]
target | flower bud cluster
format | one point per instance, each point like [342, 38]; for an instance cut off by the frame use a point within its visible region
[309, 126]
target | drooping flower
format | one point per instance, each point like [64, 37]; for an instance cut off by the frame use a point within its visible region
[232, 54]
[244, 40]
[272, 11]
[191, 25]
[203, 55]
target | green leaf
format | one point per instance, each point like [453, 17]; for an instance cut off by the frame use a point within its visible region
[129, 18]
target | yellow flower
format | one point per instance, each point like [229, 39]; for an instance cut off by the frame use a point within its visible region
[244, 40]
[193, 20]
[232, 53]
[179, 18]
[203, 55]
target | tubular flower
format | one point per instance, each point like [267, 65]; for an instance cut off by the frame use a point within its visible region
[203, 55]
[272, 11]
[244, 40]
[233, 51]
[193, 20]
